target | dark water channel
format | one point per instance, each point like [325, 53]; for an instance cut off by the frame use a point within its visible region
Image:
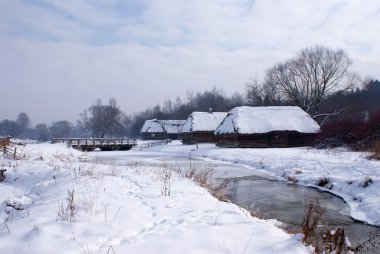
[271, 198]
[288, 203]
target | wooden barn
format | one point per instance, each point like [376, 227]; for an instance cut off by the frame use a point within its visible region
[172, 128]
[286, 126]
[161, 129]
[200, 127]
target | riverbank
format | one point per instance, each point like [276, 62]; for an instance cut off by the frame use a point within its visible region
[56, 199]
[350, 175]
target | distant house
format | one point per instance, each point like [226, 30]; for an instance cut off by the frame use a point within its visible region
[266, 127]
[200, 126]
[161, 129]
[172, 128]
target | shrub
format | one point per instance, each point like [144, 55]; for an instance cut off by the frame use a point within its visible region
[322, 182]
[329, 241]
[355, 134]
[375, 150]
[367, 181]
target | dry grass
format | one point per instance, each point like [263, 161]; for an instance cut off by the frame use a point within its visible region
[203, 178]
[375, 150]
[328, 241]
[322, 182]
[334, 241]
[255, 211]
[165, 176]
[367, 181]
[309, 225]
[68, 212]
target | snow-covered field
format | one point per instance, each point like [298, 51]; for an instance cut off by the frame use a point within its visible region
[56, 201]
[347, 174]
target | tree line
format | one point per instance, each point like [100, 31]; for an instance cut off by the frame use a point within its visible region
[317, 79]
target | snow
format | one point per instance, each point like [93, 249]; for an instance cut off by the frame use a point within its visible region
[152, 126]
[248, 120]
[172, 126]
[350, 175]
[203, 121]
[168, 126]
[120, 209]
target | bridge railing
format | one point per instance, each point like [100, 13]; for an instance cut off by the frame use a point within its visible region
[95, 141]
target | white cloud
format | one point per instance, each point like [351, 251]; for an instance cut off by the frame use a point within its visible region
[57, 57]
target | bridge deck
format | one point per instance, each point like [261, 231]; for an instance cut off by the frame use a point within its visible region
[104, 144]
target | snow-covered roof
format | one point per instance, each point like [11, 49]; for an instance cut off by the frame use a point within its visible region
[172, 126]
[249, 120]
[153, 125]
[168, 126]
[203, 121]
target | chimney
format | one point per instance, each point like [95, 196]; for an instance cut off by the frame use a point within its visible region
[210, 110]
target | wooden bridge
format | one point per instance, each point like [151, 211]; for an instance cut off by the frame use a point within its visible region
[104, 144]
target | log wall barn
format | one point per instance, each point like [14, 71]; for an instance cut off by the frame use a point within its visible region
[153, 135]
[262, 127]
[198, 137]
[153, 130]
[264, 140]
[200, 127]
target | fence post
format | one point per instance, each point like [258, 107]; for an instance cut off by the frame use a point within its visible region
[14, 155]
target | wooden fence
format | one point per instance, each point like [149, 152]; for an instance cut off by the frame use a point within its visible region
[10, 152]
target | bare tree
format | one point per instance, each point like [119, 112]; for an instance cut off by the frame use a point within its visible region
[313, 76]
[23, 122]
[61, 129]
[8, 127]
[102, 120]
[262, 93]
[42, 133]
[254, 92]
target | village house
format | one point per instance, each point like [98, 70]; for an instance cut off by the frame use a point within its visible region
[161, 129]
[200, 127]
[287, 126]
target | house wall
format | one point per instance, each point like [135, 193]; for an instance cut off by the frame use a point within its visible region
[198, 137]
[271, 139]
[173, 136]
[153, 135]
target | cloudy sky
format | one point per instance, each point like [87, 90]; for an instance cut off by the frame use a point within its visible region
[58, 56]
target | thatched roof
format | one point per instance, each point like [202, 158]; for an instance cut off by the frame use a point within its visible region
[251, 120]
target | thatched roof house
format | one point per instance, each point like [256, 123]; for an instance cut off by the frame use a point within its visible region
[161, 129]
[200, 126]
[266, 127]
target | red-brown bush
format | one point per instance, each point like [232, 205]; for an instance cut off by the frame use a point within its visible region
[358, 135]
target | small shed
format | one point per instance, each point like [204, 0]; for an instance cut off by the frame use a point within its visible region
[200, 127]
[284, 126]
[161, 129]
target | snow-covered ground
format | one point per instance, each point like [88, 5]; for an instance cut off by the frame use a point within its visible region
[347, 174]
[122, 209]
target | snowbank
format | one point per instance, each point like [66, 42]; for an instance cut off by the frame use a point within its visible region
[56, 201]
[347, 174]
